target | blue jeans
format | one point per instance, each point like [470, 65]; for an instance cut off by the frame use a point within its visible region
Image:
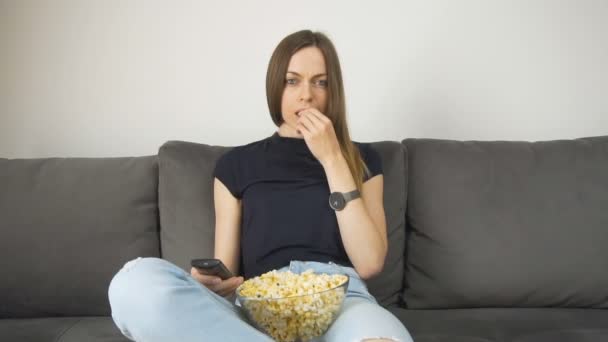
[153, 300]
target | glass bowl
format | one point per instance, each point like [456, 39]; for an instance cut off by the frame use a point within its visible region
[295, 318]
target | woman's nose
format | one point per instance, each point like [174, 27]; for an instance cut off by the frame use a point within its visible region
[305, 92]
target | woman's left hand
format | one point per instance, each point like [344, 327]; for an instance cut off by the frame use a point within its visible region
[319, 134]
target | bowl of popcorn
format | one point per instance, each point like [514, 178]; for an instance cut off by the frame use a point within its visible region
[293, 307]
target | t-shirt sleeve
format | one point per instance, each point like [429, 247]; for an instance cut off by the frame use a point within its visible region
[372, 160]
[226, 170]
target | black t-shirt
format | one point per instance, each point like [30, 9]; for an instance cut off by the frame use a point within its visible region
[285, 203]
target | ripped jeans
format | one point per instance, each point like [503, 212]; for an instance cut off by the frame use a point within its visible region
[153, 300]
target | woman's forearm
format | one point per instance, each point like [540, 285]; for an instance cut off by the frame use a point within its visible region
[362, 240]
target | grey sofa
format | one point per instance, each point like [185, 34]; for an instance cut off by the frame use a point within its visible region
[489, 241]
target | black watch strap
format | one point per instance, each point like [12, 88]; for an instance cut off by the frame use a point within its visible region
[349, 196]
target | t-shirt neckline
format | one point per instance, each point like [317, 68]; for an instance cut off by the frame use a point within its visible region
[295, 144]
[278, 138]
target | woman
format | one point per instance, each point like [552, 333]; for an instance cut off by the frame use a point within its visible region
[272, 212]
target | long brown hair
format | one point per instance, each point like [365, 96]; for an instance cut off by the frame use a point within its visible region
[336, 106]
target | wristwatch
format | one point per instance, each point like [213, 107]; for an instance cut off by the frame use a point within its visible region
[338, 200]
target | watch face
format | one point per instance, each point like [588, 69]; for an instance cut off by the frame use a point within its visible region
[336, 201]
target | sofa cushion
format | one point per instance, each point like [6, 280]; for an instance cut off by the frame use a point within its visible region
[517, 224]
[388, 285]
[505, 324]
[67, 225]
[187, 213]
[61, 329]
[185, 200]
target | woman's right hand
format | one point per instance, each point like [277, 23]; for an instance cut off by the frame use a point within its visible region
[223, 288]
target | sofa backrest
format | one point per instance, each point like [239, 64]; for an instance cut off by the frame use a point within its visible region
[185, 200]
[519, 224]
[187, 213]
[67, 225]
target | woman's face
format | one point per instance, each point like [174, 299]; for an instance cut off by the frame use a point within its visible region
[305, 87]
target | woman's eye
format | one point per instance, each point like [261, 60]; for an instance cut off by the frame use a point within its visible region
[319, 83]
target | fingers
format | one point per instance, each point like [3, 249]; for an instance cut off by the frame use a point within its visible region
[227, 286]
[314, 120]
[231, 287]
[310, 121]
[303, 129]
[316, 113]
[215, 284]
[322, 117]
[204, 279]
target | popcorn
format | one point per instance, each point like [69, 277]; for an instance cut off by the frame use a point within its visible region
[291, 306]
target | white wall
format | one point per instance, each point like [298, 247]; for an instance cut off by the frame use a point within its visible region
[119, 78]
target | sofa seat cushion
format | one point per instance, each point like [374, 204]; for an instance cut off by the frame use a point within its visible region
[61, 329]
[506, 324]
